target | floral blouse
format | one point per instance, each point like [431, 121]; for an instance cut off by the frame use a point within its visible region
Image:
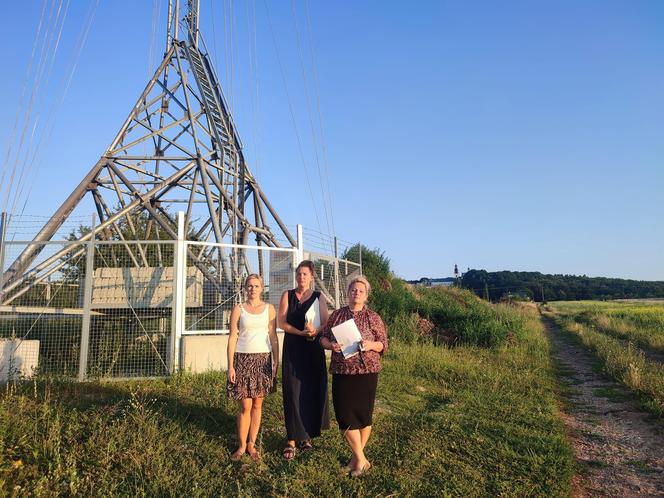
[371, 328]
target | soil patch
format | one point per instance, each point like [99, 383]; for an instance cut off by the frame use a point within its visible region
[619, 448]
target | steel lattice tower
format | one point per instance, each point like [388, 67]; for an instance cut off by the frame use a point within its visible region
[178, 148]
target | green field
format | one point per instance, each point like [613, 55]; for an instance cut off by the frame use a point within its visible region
[627, 338]
[640, 322]
[462, 421]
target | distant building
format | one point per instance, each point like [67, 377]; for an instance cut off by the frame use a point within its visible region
[433, 282]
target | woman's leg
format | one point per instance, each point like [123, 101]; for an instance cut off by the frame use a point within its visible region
[355, 442]
[256, 414]
[243, 423]
[365, 432]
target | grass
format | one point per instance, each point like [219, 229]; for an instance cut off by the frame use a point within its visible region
[618, 358]
[466, 421]
[457, 313]
[640, 323]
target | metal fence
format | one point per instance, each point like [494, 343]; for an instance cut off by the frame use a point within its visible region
[120, 309]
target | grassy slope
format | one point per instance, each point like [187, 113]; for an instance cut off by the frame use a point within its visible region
[449, 422]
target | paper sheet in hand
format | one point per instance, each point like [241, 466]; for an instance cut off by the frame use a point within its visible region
[348, 336]
[313, 313]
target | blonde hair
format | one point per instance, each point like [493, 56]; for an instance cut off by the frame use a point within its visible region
[253, 276]
[361, 279]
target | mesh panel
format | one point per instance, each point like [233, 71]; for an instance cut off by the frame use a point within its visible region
[126, 318]
[223, 269]
[132, 300]
[40, 322]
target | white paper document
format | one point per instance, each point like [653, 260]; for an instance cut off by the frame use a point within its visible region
[313, 313]
[348, 336]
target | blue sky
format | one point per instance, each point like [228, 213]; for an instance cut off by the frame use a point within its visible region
[495, 135]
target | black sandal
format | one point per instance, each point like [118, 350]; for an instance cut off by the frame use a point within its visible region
[306, 445]
[289, 452]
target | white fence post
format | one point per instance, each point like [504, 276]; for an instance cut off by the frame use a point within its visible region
[337, 294]
[359, 246]
[179, 293]
[299, 255]
[3, 242]
[87, 304]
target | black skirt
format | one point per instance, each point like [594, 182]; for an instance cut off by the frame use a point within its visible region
[304, 381]
[353, 397]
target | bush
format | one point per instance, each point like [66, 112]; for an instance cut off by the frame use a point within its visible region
[457, 314]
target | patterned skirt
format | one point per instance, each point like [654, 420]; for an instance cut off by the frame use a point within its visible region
[253, 376]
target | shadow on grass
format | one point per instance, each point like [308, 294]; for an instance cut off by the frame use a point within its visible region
[215, 416]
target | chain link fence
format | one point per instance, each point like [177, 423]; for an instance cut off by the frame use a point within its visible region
[125, 309]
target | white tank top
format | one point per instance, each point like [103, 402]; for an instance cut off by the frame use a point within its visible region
[253, 336]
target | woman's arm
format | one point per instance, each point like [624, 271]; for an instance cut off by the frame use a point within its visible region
[380, 334]
[322, 306]
[232, 342]
[274, 340]
[326, 337]
[328, 344]
[283, 311]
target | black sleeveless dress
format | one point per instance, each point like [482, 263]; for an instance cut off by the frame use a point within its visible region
[303, 377]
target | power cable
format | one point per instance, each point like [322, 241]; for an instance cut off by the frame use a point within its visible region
[292, 113]
[24, 89]
[55, 109]
[309, 112]
[46, 65]
[320, 113]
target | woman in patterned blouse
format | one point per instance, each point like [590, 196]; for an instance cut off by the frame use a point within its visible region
[354, 379]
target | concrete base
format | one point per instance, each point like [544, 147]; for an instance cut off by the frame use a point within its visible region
[18, 359]
[201, 353]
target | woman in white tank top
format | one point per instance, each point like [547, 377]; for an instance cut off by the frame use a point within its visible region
[253, 359]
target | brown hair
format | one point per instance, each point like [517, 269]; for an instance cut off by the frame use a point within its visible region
[307, 264]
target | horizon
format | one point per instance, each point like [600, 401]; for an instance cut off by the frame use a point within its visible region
[529, 271]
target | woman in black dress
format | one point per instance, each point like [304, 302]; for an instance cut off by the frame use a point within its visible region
[303, 375]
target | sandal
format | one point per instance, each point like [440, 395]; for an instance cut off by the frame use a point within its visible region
[289, 452]
[306, 445]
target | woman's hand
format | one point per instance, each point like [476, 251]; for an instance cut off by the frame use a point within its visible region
[275, 367]
[231, 375]
[336, 347]
[367, 345]
[309, 330]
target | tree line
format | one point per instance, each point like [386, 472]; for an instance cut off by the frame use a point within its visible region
[541, 287]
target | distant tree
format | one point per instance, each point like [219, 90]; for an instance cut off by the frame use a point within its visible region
[119, 255]
[559, 287]
[375, 265]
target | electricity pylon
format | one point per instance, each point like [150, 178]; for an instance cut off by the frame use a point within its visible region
[178, 148]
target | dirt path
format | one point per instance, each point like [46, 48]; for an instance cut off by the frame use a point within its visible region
[618, 447]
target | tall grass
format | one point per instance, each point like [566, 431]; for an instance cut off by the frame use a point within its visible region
[467, 421]
[622, 361]
[639, 323]
[454, 312]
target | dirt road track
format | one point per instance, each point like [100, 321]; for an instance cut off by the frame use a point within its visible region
[619, 448]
